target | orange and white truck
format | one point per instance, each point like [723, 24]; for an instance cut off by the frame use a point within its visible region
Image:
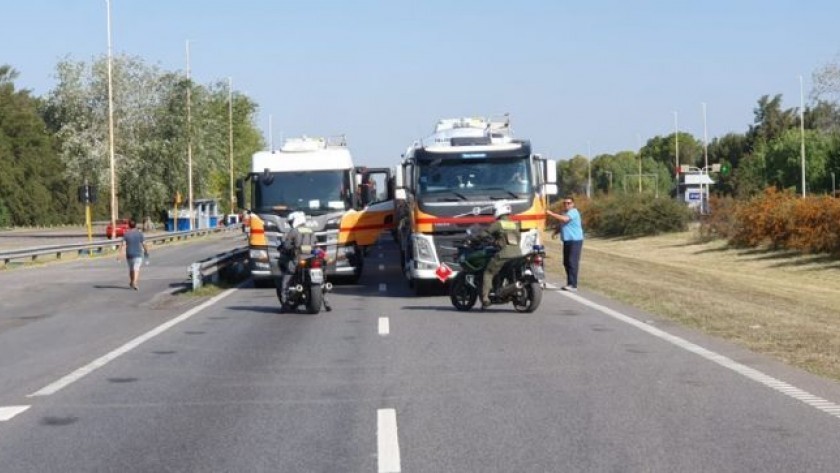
[318, 177]
[449, 181]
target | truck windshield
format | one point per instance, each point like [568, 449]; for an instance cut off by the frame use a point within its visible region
[314, 192]
[459, 179]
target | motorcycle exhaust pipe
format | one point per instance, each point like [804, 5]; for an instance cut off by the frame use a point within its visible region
[327, 287]
[510, 289]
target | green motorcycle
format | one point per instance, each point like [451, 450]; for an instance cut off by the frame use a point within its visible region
[519, 282]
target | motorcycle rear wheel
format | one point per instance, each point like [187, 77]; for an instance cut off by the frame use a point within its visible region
[315, 300]
[531, 300]
[462, 295]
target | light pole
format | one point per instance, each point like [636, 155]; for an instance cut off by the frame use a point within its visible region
[589, 170]
[802, 131]
[639, 142]
[676, 146]
[705, 201]
[111, 125]
[270, 135]
[189, 142]
[230, 139]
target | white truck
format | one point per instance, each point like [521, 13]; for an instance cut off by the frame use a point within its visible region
[449, 181]
[318, 177]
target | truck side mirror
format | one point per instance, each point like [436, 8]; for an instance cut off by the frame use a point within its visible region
[240, 193]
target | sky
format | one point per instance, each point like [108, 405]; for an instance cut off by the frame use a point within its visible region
[576, 77]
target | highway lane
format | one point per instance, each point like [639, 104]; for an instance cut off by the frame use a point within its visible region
[240, 387]
[54, 316]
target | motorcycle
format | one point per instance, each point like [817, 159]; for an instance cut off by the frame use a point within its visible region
[520, 280]
[308, 286]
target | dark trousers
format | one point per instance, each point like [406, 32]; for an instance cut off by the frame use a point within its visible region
[571, 260]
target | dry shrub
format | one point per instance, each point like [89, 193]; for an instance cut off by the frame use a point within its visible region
[782, 220]
[817, 225]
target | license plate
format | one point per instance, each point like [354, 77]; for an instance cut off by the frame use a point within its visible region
[316, 276]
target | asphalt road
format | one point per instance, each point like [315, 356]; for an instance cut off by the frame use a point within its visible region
[385, 382]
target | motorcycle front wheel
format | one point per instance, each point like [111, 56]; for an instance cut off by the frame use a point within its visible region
[315, 300]
[531, 298]
[462, 295]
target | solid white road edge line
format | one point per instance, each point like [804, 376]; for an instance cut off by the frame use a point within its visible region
[387, 441]
[6, 413]
[789, 390]
[384, 326]
[104, 360]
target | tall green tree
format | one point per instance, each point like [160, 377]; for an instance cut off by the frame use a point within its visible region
[32, 189]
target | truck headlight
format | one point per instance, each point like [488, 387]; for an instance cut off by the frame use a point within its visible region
[258, 255]
[424, 250]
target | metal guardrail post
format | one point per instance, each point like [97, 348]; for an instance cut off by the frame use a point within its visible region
[195, 275]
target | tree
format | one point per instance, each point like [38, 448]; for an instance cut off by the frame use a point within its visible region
[783, 160]
[32, 190]
[151, 132]
[770, 121]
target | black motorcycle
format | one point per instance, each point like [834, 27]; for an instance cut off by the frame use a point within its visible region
[308, 285]
[519, 282]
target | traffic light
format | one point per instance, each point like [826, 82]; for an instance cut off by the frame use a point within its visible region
[87, 194]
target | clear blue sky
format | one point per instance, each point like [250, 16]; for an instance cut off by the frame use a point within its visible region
[383, 71]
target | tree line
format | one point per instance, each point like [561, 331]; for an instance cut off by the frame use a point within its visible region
[51, 145]
[766, 155]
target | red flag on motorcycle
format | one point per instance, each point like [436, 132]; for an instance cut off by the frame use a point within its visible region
[443, 272]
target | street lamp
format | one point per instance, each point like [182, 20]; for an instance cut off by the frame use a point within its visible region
[189, 142]
[230, 138]
[589, 170]
[111, 125]
[802, 131]
[639, 141]
[705, 200]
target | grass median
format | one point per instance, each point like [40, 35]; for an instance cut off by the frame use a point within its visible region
[782, 304]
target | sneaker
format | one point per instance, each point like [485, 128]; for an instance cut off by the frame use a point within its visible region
[485, 303]
[569, 288]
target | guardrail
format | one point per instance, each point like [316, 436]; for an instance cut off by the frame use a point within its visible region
[99, 246]
[230, 266]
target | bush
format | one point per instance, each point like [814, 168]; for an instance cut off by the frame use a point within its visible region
[633, 216]
[777, 220]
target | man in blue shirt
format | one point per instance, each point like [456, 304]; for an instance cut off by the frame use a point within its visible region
[572, 233]
[134, 248]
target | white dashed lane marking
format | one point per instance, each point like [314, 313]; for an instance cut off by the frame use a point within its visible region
[383, 287]
[384, 326]
[108, 357]
[382, 267]
[387, 441]
[8, 412]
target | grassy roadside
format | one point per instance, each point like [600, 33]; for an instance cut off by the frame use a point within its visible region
[778, 303]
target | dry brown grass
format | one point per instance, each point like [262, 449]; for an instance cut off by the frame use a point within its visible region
[778, 303]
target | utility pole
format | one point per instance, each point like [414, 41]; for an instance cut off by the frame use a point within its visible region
[639, 142]
[230, 139]
[189, 142]
[111, 125]
[802, 131]
[705, 201]
[589, 170]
